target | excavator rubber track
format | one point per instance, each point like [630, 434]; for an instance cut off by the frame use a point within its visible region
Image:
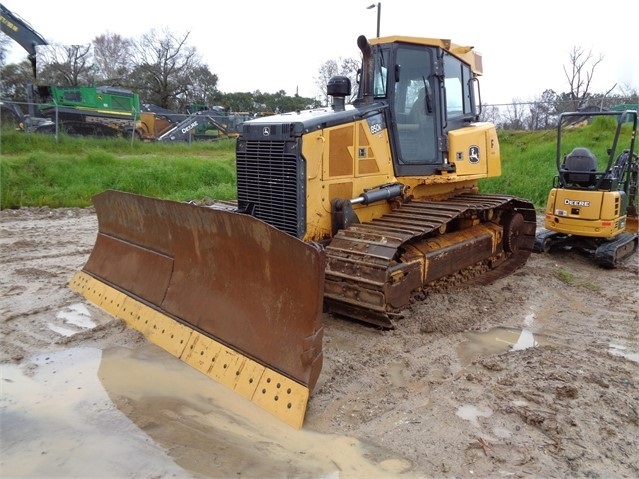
[374, 268]
[611, 253]
[606, 253]
[224, 292]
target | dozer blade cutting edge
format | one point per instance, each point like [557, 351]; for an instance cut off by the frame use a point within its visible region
[226, 293]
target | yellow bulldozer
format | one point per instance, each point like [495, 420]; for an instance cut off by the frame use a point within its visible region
[352, 209]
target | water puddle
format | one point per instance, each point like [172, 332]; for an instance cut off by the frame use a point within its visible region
[57, 420]
[471, 413]
[500, 340]
[623, 351]
[143, 413]
[72, 320]
[396, 374]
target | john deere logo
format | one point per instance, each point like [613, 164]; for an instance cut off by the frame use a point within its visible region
[473, 154]
[266, 131]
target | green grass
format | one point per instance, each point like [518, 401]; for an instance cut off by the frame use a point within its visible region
[528, 166]
[569, 279]
[566, 277]
[37, 170]
[529, 159]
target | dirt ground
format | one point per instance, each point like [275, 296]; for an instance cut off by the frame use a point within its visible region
[536, 375]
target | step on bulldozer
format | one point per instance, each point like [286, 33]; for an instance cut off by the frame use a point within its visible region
[592, 206]
[353, 209]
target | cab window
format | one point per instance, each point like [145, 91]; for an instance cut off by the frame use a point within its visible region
[380, 84]
[415, 119]
[458, 87]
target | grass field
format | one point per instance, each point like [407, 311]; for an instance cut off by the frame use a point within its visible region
[35, 170]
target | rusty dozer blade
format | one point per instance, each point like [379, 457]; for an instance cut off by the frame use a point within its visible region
[228, 294]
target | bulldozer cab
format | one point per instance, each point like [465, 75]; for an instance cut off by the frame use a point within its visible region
[429, 90]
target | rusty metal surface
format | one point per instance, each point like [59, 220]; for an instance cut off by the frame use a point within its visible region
[366, 277]
[228, 275]
[632, 224]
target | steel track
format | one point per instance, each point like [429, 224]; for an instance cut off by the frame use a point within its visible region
[363, 261]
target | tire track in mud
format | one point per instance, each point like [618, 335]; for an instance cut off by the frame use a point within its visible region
[40, 250]
[567, 407]
[574, 397]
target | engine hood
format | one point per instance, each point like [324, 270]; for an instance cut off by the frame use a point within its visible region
[305, 121]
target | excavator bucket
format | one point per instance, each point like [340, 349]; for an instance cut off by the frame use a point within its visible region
[223, 291]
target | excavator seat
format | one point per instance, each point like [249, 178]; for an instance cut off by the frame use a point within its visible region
[579, 168]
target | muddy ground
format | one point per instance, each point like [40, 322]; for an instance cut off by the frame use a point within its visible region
[536, 375]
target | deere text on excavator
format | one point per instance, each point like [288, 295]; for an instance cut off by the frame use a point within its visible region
[350, 209]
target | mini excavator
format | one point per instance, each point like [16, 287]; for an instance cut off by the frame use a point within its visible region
[592, 206]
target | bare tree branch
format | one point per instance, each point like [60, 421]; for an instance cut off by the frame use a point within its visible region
[582, 66]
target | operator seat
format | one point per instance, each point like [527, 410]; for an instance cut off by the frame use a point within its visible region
[579, 168]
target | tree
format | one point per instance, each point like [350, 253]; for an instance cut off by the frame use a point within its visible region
[542, 111]
[582, 68]
[279, 102]
[490, 113]
[5, 41]
[163, 63]
[238, 102]
[630, 93]
[515, 116]
[202, 88]
[347, 67]
[159, 66]
[112, 58]
[68, 65]
[15, 77]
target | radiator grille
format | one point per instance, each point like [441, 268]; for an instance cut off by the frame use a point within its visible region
[270, 183]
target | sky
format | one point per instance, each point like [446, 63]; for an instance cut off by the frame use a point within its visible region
[274, 45]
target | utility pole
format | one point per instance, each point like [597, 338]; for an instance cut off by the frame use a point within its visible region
[379, 13]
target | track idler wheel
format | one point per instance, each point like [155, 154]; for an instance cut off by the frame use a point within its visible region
[513, 230]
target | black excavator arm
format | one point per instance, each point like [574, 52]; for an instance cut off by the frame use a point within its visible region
[23, 33]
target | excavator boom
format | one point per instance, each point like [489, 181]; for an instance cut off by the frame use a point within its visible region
[23, 33]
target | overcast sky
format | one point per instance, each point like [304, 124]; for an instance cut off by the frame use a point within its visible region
[273, 45]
